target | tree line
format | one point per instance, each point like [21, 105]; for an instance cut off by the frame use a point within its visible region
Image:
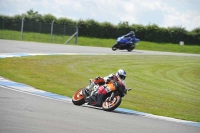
[92, 28]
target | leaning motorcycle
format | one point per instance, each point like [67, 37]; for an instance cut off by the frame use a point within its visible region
[124, 43]
[110, 101]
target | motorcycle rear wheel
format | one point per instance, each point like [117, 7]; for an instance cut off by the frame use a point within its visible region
[78, 98]
[130, 48]
[111, 105]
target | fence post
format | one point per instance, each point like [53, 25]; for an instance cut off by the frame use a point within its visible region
[51, 31]
[76, 40]
[22, 27]
[3, 27]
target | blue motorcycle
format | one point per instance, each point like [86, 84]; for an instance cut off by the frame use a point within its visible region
[127, 43]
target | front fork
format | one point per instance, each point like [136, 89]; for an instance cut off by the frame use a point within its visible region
[85, 93]
[111, 96]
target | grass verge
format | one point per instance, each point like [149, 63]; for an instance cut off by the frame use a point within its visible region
[161, 85]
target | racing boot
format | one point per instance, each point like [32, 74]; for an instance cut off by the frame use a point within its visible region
[88, 90]
[89, 87]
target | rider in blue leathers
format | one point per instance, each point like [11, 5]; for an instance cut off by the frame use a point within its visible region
[128, 38]
[130, 34]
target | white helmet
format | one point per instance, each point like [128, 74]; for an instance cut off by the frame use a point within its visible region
[121, 74]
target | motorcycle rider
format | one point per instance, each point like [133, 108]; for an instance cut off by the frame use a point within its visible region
[106, 85]
[130, 36]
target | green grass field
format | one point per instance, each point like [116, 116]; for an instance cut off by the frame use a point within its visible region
[86, 41]
[161, 85]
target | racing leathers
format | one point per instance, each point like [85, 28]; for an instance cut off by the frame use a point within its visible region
[105, 85]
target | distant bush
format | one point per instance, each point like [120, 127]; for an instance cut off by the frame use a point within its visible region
[91, 28]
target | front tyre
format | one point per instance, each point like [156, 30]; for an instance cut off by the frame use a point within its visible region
[111, 105]
[114, 47]
[78, 98]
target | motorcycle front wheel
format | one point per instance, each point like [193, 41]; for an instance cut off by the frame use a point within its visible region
[114, 47]
[78, 98]
[111, 105]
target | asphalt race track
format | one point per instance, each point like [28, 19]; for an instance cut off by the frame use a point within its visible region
[22, 112]
[32, 47]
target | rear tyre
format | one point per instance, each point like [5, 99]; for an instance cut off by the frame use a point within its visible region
[131, 48]
[111, 105]
[78, 98]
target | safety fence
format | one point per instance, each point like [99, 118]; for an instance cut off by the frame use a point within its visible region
[38, 31]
